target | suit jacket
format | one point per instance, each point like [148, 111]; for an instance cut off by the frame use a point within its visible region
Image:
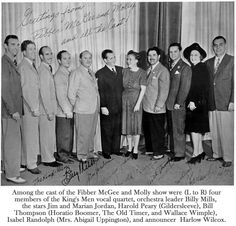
[83, 91]
[158, 82]
[30, 87]
[11, 89]
[221, 83]
[180, 82]
[61, 80]
[47, 90]
[110, 86]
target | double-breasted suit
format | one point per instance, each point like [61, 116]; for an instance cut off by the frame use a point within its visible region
[158, 82]
[180, 81]
[31, 103]
[49, 108]
[110, 85]
[221, 95]
[11, 128]
[84, 97]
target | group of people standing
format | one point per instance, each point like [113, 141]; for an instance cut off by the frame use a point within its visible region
[41, 110]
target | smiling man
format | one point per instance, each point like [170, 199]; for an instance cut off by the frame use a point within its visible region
[221, 101]
[12, 110]
[83, 96]
[180, 81]
[154, 105]
[49, 103]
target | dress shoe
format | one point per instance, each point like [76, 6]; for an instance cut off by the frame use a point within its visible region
[177, 159]
[202, 155]
[157, 157]
[22, 170]
[106, 156]
[226, 164]
[34, 171]
[16, 180]
[52, 164]
[68, 161]
[93, 156]
[212, 159]
[128, 153]
[148, 153]
[23, 166]
[193, 160]
[134, 155]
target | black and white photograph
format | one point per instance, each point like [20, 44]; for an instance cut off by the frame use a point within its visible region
[117, 94]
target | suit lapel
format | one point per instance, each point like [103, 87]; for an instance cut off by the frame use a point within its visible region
[176, 67]
[12, 64]
[222, 65]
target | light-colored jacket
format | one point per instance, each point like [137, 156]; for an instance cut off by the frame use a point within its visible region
[47, 90]
[83, 91]
[61, 81]
[158, 82]
[30, 87]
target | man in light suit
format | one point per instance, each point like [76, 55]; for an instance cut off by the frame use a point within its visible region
[12, 110]
[110, 84]
[64, 117]
[31, 105]
[180, 81]
[49, 103]
[154, 105]
[84, 97]
[221, 100]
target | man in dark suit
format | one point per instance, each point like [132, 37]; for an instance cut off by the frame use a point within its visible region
[12, 110]
[221, 101]
[110, 85]
[180, 81]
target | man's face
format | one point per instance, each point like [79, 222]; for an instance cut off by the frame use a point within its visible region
[110, 60]
[153, 58]
[174, 53]
[47, 55]
[30, 52]
[219, 47]
[12, 47]
[65, 60]
[86, 59]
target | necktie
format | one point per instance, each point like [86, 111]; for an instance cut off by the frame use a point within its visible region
[90, 72]
[15, 62]
[113, 70]
[50, 68]
[34, 66]
[217, 65]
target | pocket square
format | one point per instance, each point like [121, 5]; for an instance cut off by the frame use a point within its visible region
[177, 73]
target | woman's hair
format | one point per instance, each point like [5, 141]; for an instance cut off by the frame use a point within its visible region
[135, 54]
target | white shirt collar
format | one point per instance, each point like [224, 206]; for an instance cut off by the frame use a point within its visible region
[153, 66]
[216, 58]
[111, 67]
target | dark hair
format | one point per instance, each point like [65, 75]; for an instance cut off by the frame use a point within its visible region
[25, 43]
[154, 49]
[41, 50]
[105, 52]
[60, 54]
[9, 37]
[175, 44]
[81, 54]
[219, 37]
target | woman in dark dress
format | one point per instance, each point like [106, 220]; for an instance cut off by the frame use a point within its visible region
[134, 83]
[197, 122]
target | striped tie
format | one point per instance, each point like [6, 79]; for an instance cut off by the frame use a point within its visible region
[217, 65]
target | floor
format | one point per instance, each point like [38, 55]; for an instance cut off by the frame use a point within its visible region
[125, 171]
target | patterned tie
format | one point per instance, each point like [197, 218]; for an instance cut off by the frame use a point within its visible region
[34, 66]
[113, 70]
[217, 65]
[15, 62]
[90, 72]
[50, 68]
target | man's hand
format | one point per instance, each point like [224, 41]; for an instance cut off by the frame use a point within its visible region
[36, 113]
[16, 116]
[104, 111]
[191, 106]
[156, 109]
[50, 117]
[69, 115]
[231, 106]
[176, 106]
[137, 107]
